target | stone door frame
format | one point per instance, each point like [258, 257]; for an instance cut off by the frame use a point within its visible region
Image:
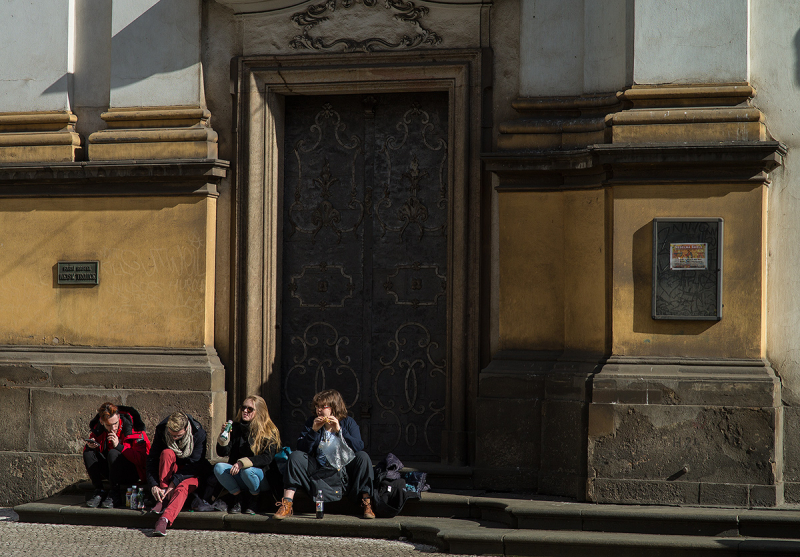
[261, 83]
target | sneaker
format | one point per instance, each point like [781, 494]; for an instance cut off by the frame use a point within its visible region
[284, 510]
[94, 502]
[158, 508]
[252, 505]
[199, 505]
[366, 504]
[236, 508]
[160, 528]
[220, 505]
[111, 501]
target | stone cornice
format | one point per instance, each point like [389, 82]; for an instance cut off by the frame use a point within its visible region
[644, 96]
[113, 178]
[654, 164]
[747, 162]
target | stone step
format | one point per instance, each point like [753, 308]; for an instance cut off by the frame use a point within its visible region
[482, 525]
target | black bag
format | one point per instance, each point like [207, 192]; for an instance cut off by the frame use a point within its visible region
[390, 497]
[391, 489]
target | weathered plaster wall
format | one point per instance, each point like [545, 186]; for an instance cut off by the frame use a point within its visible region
[155, 272]
[155, 53]
[738, 334]
[775, 73]
[691, 41]
[552, 271]
[36, 74]
[531, 278]
[573, 47]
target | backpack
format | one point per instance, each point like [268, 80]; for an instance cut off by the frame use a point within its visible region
[391, 488]
[390, 496]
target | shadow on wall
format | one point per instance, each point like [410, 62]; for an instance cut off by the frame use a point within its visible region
[797, 58]
[163, 28]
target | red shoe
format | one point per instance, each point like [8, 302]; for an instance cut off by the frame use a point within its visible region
[161, 527]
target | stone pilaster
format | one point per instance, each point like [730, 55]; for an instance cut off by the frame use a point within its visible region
[680, 412]
[687, 412]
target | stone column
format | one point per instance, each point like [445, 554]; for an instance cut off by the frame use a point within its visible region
[36, 121]
[157, 108]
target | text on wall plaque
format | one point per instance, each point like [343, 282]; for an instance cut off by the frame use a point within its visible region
[78, 272]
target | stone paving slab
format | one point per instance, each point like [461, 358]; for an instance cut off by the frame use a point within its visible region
[19, 538]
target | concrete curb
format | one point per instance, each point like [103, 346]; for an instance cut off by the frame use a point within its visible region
[476, 525]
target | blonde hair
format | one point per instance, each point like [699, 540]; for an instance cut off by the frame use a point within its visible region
[177, 421]
[263, 431]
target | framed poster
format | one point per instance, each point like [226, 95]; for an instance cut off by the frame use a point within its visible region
[687, 268]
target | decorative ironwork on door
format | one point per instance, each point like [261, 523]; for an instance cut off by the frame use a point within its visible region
[364, 276]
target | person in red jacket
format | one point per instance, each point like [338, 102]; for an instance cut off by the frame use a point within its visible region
[116, 450]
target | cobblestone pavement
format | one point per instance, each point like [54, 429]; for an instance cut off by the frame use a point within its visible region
[20, 539]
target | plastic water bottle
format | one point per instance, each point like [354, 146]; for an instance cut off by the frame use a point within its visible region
[320, 504]
[226, 433]
[133, 497]
[128, 498]
[140, 499]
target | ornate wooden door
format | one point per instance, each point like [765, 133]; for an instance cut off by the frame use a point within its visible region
[364, 265]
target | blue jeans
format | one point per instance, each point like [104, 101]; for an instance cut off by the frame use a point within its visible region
[251, 479]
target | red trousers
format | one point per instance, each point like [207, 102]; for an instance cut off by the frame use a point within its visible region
[173, 503]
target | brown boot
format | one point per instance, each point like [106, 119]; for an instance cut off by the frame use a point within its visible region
[284, 510]
[366, 504]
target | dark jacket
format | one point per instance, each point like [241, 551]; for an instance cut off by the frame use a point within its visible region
[309, 440]
[194, 466]
[238, 448]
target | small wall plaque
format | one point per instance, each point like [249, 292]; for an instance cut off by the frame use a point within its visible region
[78, 272]
[687, 268]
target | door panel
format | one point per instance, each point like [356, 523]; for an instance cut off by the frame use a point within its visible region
[364, 277]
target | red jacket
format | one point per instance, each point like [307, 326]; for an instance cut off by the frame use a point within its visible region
[132, 437]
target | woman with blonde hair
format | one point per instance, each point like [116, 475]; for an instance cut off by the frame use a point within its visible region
[250, 447]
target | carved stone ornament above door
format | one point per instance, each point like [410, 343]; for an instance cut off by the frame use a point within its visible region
[263, 6]
[371, 25]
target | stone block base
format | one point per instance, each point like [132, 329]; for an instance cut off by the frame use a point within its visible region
[647, 492]
[48, 396]
[154, 133]
[28, 137]
[531, 426]
[698, 433]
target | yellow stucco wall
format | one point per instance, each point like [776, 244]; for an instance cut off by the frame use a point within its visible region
[552, 271]
[739, 333]
[156, 271]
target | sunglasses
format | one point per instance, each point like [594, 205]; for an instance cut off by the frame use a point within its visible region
[247, 408]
